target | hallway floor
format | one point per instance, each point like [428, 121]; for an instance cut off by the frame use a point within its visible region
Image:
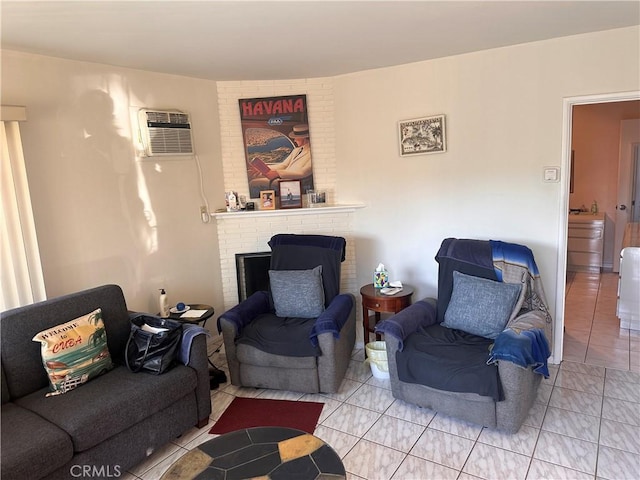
[592, 330]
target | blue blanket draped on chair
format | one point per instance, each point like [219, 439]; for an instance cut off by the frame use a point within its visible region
[529, 348]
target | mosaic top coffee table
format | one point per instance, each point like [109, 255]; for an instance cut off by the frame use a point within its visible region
[267, 452]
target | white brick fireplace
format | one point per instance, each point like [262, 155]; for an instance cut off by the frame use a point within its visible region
[247, 232]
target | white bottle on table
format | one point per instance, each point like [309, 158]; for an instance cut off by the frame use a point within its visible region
[163, 304]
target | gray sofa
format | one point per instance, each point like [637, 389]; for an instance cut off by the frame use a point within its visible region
[105, 426]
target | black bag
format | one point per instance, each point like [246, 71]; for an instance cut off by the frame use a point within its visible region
[152, 352]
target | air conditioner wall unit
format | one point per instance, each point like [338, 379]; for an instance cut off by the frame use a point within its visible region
[165, 133]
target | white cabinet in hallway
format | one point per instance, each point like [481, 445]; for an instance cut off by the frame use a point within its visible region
[585, 242]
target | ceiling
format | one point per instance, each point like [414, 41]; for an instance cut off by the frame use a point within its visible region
[272, 40]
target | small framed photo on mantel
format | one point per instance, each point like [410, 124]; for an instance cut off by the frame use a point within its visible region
[267, 200]
[419, 136]
[290, 194]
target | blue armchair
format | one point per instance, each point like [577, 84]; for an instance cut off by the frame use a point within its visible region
[299, 335]
[456, 354]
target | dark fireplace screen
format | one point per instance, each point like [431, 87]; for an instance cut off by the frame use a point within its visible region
[252, 270]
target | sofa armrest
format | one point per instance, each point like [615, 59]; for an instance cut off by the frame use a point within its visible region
[243, 313]
[409, 320]
[199, 361]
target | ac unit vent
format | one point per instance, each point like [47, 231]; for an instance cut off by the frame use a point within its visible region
[166, 133]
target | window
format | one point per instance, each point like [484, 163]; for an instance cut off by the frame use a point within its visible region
[21, 270]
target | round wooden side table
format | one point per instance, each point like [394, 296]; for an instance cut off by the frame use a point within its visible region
[373, 300]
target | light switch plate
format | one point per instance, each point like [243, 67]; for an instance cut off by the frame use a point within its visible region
[551, 174]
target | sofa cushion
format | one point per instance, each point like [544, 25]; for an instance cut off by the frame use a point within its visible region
[31, 446]
[111, 403]
[74, 352]
[480, 306]
[297, 293]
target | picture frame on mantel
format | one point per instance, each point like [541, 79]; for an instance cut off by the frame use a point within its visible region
[267, 199]
[290, 194]
[421, 136]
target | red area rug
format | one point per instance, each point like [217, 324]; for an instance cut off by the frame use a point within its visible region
[261, 412]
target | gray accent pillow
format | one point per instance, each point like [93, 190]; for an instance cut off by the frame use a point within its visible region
[297, 293]
[480, 306]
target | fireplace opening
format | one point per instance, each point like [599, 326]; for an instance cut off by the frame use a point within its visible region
[252, 271]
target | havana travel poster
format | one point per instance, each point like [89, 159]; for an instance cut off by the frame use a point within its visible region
[277, 142]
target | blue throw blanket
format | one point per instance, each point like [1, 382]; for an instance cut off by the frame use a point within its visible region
[512, 253]
[529, 348]
[515, 264]
[333, 318]
[189, 332]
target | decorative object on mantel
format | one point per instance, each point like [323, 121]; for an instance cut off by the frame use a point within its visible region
[231, 199]
[316, 198]
[277, 142]
[267, 200]
[290, 194]
[424, 135]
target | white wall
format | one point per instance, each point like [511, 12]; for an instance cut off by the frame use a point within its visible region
[503, 112]
[101, 215]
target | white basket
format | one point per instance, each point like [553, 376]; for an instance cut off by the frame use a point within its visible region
[377, 373]
[377, 359]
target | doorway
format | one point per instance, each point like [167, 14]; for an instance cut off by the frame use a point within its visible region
[568, 105]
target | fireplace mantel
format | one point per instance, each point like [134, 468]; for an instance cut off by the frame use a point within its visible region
[288, 211]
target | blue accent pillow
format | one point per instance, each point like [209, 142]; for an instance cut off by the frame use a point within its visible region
[480, 306]
[297, 293]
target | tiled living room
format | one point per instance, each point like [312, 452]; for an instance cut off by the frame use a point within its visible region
[97, 206]
[585, 422]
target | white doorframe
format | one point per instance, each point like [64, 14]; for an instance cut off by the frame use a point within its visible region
[567, 109]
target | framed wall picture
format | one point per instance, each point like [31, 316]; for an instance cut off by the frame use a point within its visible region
[424, 135]
[290, 194]
[267, 200]
[277, 142]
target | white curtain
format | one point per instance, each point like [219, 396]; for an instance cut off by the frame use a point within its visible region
[21, 270]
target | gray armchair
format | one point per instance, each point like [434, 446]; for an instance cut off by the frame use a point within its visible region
[445, 356]
[275, 339]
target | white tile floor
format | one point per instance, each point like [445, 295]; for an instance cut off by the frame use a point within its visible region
[585, 422]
